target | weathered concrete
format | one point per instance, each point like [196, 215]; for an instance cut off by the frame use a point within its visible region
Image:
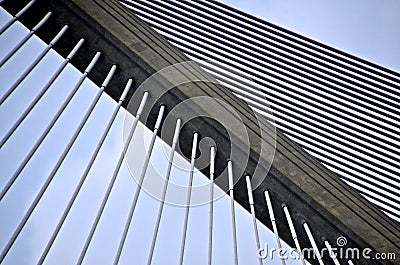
[312, 193]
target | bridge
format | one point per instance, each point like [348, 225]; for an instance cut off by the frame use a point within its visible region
[205, 103]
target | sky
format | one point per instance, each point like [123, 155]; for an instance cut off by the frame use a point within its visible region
[368, 29]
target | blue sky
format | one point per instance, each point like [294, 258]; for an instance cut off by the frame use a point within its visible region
[366, 28]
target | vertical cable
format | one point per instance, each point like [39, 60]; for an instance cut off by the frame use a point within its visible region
[314, 245]
[274, 227]
[139, 186]
[41, 93]
[16, 17]
[294, 234]
[81, 181]
[331, 253]
[53, 172]
[253, 214]
[164, 192]
[33, 65]
[188, 198]
[210, 221]
[24, 39]
[49, 127]
[233, 219]
[116, 170]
